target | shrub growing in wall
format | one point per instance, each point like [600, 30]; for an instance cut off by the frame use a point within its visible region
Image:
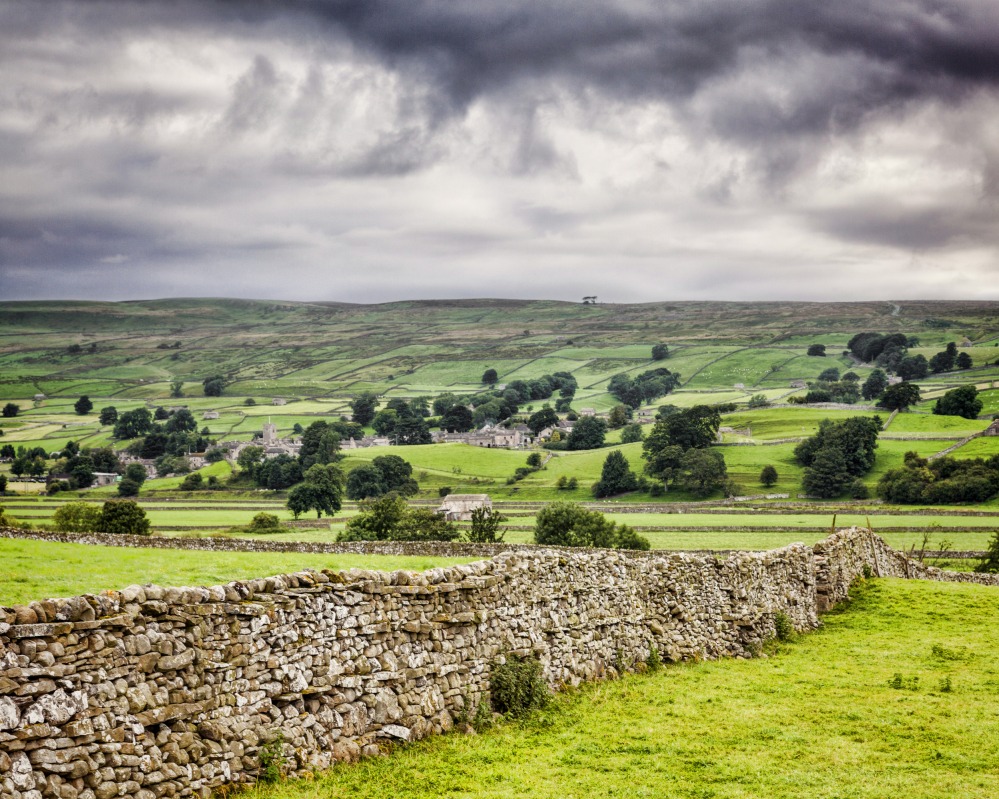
[517, 686]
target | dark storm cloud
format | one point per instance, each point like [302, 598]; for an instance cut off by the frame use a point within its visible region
[470, 146]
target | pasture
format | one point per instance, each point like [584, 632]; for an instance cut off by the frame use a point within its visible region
[894, 696]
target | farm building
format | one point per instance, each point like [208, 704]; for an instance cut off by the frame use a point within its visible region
[459, 507]
[210, 415]
[992, 429]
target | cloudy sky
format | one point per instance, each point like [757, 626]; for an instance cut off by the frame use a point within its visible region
[372, 150]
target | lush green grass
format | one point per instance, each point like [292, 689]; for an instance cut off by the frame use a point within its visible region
[932, 424]
[32, 570]
[817, 719]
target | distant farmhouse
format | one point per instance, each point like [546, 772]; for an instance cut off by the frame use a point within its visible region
[459, 507]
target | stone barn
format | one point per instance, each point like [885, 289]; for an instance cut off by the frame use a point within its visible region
[459, 507]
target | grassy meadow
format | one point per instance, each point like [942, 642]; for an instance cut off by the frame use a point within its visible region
[896, 695]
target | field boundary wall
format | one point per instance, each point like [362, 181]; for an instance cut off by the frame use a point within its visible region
[172, 692]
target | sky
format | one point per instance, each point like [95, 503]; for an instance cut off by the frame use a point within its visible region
[380, 150]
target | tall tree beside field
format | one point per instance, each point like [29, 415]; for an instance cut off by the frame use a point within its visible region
[214, 386]
[875, 385]
[587, 433]
[616, 476]
[900, 396]
[768, 476]
[83, 406]
[123, 517]
[660, 352]
[108, 416]
[363, 407]
[321, 491]
[10, 410]
[489, 377]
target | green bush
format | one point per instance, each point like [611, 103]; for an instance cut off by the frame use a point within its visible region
[77, 517]
[517, 686]
[784, 627]
[264, 523]
[123, 517]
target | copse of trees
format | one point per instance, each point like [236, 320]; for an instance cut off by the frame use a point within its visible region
[940, 482]
[385, 474]
[569, 524]
[668, 450]
[363, 407]
[587, 433]
[962, 401]
[389, 518]
[838, 454]
[899, 397]
[885, 351]
[214, 385]
[817, 350]
[646, 387]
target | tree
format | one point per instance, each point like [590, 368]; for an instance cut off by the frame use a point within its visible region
[177, 389]
[193, 482]
[363, 407]
[660, 352]
[10, 410]
[249, 458]
[136, 472]
[132, 424]
[990, 563]
[214, 385]
[485, 527]
[320, 444]
[365, 481]
[489, 377]
[458, 419]
[377, 520]
[570, 524]
[818, 350]
[837, 454]
[321, 491]
[692, 428]
[830, 375]
[587, 433]
[963, 361]
[619, 416]
[397, 474]
[130, 488]
[616, 476]
[109, 415]
[758, 401]
[123, 517]
[632, 433]
[702, 472]
[900, 396]
[875, 385]
[83, 405]
[410, 430]
[77, 517]
[962, 401]
[768, 476]
[539, 420]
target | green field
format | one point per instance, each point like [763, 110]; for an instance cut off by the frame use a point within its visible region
[31, 570]
[817, 718]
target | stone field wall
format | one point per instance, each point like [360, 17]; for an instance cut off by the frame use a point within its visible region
[162, 692]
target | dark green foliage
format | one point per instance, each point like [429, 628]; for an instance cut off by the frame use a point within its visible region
[768, 476]
[941, 482]
[691, 428]
[264, 522]
[83, 405]
[701, 472]
[443, 491]
[457, 419]
[838, 453]
[962, 401]
[365, 481]
[647, 386]
[660, 352]
[868, 347]
[396, 475]
[321, 490]
[388, 518]
[830, 375]
[193, 482]
[899, 396]
[616, 476]
[632, 433]
[619, 416]
[132, 424]
[214, 386]
[654, 661]
[129, 488]
[817, 350]
[123, 517]
[944, 361]
[77, 517]
[571, 525]
[320, 444]
[10, 410]
[963, 361]
[108, 416]
[587, 433]
[489, 377]
[363, 407]
[875, 385]
[912, 367]
[181, 421]
[539, 420]
[517, 686]
[485, 527]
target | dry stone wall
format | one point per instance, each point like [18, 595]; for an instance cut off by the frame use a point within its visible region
[170, 692]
